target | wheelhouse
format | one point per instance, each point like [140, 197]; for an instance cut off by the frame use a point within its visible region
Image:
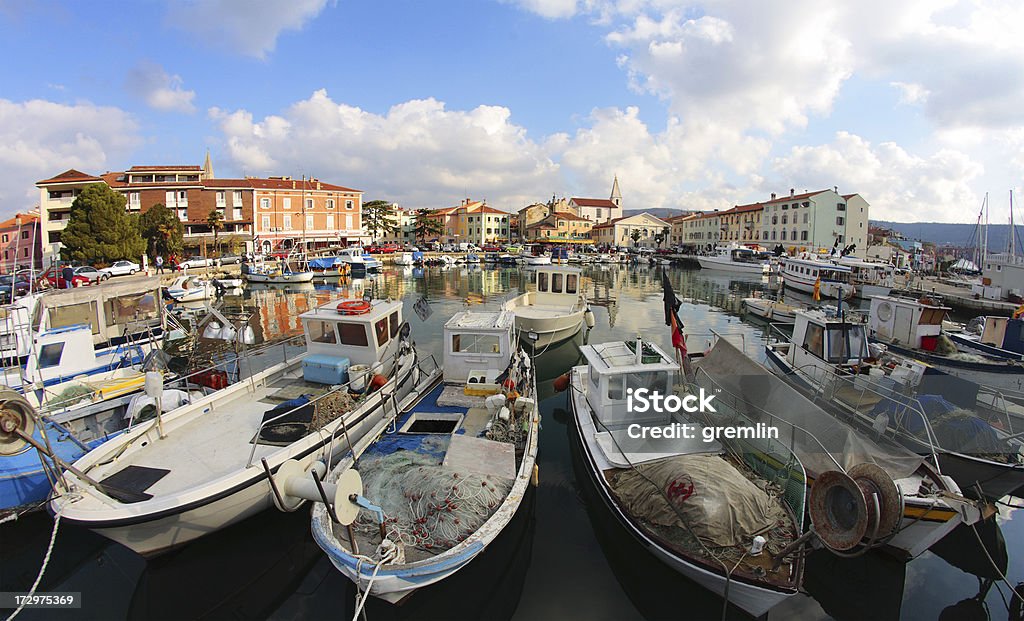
[478, 346]
[910, 323]
[556, 280]
[616, 370]
[805, 269]
[359, 330]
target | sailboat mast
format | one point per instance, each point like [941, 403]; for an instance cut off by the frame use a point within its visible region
[1013, 230]
[984, 242]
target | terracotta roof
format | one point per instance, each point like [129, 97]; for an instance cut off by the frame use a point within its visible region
[227, 183]
[744, 208]
[489, 209]
[159, 168]
[26, 219]
[849, 196]
[69, 176]
[594, 202]
[281, 184]
[786, 199]
[565, 215]
[608, 224]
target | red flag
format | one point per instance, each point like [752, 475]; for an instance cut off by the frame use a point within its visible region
[678, 339]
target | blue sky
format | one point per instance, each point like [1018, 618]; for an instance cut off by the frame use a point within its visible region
[919, 107]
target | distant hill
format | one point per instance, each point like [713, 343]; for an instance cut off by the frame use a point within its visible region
[944, 233]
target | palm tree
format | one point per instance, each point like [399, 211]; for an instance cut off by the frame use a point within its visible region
[635, 236]
[216, 222]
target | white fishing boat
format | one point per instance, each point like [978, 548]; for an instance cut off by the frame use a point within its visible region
[870, 278]
[554, 310]
[687, 501]
[291, 270]
[772, 311]
[949, 420]
[403, 258]
[227, 282]
[734, 259]
[1000, 337]
[808, 274]
[438, 489]
[189, 289]
[355, 255]
[913, 328]
[919, 505]
[206, 465]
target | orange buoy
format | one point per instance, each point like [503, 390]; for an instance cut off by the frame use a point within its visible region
[562, 382]
[354, 307]
[377, 382]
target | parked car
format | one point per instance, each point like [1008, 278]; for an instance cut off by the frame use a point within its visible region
[195, 262]
[10, 283]
[492, 248]
[122, 268]
[229, 259]
[410, 248]
[94, 275]
[56, 279]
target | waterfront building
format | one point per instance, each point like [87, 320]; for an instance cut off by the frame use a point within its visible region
[816, 222]
[265, 214]
[404, 221]
[560, 226]
[20, 243]
[701, 232]
[474, 222]
[619, 232]
[677, 237]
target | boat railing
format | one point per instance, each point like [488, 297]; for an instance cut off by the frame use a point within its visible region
[773, 459]
[856, 392]
[999, 405]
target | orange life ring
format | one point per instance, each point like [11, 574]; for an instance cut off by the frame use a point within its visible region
[354, 307]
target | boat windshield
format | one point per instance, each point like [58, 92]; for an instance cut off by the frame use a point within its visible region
[846, 342]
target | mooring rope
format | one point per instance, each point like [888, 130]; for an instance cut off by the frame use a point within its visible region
[42, 569]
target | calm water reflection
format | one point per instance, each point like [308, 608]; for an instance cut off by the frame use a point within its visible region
[560, 559]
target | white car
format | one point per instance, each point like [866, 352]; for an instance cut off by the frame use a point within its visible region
[195, 262]
[122, 268]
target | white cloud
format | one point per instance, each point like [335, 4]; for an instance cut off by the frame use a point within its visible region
[160, 90]
[419, 153]
[550, 9]
[911, 94]
[250, 27]
[39, 139]
[899, 186]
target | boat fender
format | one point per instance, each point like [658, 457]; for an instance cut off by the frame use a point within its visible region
[562, 382]
[535, 479]
[589, 318]
[377, 382]
[757, 546]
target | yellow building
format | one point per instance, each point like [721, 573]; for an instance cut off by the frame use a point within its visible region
[560, 227]
[474, 222]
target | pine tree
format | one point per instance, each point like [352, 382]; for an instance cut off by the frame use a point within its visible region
[378, 216]
[162, 230]
[100, 229]
[426, 225]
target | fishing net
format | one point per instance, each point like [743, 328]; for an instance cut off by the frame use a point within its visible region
[71, 395]
[330, 408]
[710, 499]
[426, 505]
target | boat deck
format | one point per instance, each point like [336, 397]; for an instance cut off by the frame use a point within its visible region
[214, 443]
[465, 454]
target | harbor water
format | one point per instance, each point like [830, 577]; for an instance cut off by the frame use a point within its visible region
[563, 557]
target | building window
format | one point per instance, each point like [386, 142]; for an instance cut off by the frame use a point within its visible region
[330, 203]
[264, 203]
[169, 198]
[784, 207]
[236, 198]
[286, 203]
[349, 205]
[237, 213]
[775, 219]
[24, 252]
[182, 198]
[133, 200]
[805, 217]
[309, 203]
[330, 222]
[840, 221]
[266, 223]
[803, 235]
[222, 199]
[24, 234]
[840, 206]
[6, 238]
[309, 222]
[784, 218]
[287, 222]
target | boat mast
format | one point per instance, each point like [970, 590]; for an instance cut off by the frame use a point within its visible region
[984, 237]
[1013, 244]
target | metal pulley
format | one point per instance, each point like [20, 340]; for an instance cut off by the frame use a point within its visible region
[859, 507]
[17, 420]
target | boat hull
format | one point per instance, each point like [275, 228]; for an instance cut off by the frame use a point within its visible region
[280, 279]
[755, 599]
[769, 311]
[718, 263]
[151, 529]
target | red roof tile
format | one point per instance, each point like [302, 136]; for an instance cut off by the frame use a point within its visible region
[796, 197]
[26, 220]
[594, 202]
[565, 215]
[159, 168]
[69, 176]
[281, 184]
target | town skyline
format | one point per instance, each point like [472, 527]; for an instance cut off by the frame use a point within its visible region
[692, 107]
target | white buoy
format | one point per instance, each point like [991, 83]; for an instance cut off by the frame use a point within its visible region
[757, 546]
[589, 318]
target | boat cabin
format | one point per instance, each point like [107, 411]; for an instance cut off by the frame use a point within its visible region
[616, 369]
[478, 346]
[820, 337]
[345, 333]
[1004, 333]
[810, 270]
[870, 272]
[916, 324]
[556, 284]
